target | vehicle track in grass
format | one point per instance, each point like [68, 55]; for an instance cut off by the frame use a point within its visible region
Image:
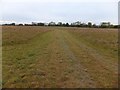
[57, 59]
[103, 69]
[61, 68]
[83, 77]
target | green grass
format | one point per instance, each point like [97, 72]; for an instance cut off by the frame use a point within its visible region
[59, 57]
[104, 40]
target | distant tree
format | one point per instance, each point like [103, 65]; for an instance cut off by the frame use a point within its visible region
[20, 24]
[89, 24]
[52, 24]
[111, 26]
[94, 25]
[83, 25]
[67, 24]
[26, 24]
[13, 24]
[72, 25]
[63, 24]
[59, 24]
[76, 24]
[116, 26]
[40, 24]
[4, 24]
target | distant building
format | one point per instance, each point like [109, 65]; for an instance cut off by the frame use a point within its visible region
[105, 24]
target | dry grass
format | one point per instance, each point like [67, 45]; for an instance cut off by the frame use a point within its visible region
[59, 57]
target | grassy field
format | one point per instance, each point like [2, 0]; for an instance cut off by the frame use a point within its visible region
[59, 57]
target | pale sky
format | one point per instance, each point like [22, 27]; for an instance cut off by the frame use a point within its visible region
[27, 11]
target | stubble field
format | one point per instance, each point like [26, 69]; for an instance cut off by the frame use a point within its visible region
[59, 57]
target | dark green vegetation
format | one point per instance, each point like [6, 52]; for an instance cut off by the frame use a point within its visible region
[59, 57]
[74, 24]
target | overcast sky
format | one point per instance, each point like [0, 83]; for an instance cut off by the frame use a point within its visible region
[27, 11]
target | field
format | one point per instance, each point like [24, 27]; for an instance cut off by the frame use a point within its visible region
[59, 57]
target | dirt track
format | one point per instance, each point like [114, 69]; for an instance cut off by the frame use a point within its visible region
[61, 60]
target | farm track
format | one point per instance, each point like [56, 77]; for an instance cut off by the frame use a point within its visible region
[57, 58]
[101, 68]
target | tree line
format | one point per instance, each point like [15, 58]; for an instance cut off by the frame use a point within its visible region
[74, 24]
